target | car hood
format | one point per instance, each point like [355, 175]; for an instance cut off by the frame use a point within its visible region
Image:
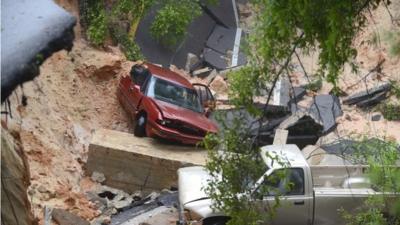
[188, 116]
[192, 181]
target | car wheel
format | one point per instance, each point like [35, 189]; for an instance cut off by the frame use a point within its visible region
[140, 126]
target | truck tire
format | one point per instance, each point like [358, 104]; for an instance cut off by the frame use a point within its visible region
[215, 221]
[140, 126]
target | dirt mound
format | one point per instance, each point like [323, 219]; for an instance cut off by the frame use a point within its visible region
[74, 95]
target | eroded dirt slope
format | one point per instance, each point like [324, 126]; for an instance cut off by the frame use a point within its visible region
[74, 95]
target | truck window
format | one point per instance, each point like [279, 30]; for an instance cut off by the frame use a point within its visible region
[284, 182]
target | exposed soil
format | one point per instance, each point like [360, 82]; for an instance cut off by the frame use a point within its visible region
[74, 95]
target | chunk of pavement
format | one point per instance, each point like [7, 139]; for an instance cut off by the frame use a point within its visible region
[369, 93]
[326, 108]
[191, 60]
[215, 59]
[211, 76]
[203, 72]
[63, 217]
[221, 39]
[374, 100]
[168, 199]
[219, 85]
[281, 92]
[376, 117]
[340, 147]
[297, 94]
[111, 193]
[98, 177]
[120, 204]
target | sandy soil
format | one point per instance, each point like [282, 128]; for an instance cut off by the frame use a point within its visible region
[73, 96]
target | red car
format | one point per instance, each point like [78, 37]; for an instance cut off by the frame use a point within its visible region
[165, 104]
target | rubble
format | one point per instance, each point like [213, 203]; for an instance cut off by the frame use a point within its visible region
[63, 217]
[191, 61]
[326, 109]
[203, 72]
[98, 177]
[370, 97]
[219, 85]
[211, 77]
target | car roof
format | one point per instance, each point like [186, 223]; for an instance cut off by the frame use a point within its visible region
[168, 75]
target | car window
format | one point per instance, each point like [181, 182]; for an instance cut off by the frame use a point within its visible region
[139, 74]
[284, 182]
[166, 91]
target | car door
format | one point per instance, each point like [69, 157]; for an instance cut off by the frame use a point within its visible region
[295, 205]
[133, 87]
[206, 97]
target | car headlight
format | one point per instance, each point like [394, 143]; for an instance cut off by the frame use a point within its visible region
[164, 122]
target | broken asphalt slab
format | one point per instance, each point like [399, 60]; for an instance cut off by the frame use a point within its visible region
[325, 109]
[165, 199]
[368, 95]
[197, 34]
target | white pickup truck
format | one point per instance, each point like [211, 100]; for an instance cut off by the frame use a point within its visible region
[317, 194]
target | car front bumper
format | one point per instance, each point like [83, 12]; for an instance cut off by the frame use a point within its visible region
[155, 129]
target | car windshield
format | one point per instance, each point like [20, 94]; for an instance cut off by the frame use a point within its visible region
[172, 93]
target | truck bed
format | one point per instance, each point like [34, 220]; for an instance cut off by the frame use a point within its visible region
[335, 176]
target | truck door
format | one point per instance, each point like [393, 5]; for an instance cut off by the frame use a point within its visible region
[295, 205]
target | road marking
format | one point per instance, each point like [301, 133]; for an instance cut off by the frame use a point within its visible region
[236, 46]
[277, 93]
[235, 12]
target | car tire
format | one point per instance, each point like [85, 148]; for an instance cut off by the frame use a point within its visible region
[140, 126]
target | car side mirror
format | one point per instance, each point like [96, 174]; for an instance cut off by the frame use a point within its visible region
[134, 87]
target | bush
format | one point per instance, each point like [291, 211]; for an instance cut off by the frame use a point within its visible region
[97, 20]
[390, 111]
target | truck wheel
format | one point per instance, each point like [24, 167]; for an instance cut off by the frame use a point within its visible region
[216, 221]
[140, 126]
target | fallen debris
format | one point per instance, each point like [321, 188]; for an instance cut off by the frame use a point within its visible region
[191, 61]
[63, 217]
[219, 85]
[326, 108]
[98, 177]
[369, 97]
[130, 163]
[203, 72]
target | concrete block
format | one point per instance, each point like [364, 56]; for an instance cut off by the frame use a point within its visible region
[130, 163]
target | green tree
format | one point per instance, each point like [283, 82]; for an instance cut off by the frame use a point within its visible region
[381, 156]
[282, 28]
[173, 19]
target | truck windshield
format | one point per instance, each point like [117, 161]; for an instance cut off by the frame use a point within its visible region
[172, 93]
